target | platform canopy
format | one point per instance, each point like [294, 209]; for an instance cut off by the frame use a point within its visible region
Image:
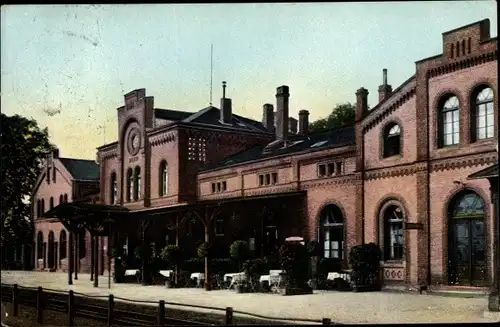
[94, 217]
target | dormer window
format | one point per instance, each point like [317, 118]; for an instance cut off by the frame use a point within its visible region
[392, 140]
[218, 187]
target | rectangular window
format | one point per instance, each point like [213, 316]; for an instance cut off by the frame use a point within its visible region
[218, 187]
[213, 187]
[224, 186]
[219, 227]
[321, 170]
[485, 121]
[330, 169]
[261, 180]
[268, 179]
[274, 178]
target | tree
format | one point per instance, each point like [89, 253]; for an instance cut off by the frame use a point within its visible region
[24, 145]
[342, 115]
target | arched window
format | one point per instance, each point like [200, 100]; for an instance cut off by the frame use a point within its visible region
[51, 203]
[39, 245]
[483, 117]
[137, 183]
[61, 199]
[392, 140]
[449, 125]
[393, 233]
[114, 189]
[43, 207]
[38, 208]
[332, 232]
[467, 246]
[130, 184]
[65, 198]
[163, 185]
[63, 244]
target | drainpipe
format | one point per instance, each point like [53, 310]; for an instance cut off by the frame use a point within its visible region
[428, 185]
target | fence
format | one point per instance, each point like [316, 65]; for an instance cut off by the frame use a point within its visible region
[104, 308]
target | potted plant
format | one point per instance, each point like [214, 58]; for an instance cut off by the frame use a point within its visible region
[172, 257]
[119, 267]
[294, 261]
[365, 263]
[239, 251]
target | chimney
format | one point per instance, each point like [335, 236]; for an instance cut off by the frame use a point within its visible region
[282, 97]
[226, 110]
[361, 103]
[303, 122]
[292, 124]
[384, 90]
[268, 117]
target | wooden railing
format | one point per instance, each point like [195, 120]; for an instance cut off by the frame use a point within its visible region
[103, 308]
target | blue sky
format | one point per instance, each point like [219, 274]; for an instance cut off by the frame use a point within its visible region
[81, 59]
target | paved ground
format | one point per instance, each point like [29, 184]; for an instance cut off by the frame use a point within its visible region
[340, 307]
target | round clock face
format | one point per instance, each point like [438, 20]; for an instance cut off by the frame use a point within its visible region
[134, 141]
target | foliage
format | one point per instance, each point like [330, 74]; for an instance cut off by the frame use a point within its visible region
[24, 145]
[365, 258]
[294, 261]
[342, 115]
[203, 250]
[194, 265]
[171, 255]
[313, 248]
[255, 267]
[239, 250]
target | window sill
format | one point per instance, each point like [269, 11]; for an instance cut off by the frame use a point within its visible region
[393, 262]
[392, 157]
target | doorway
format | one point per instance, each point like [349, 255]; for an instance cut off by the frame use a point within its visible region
[467, 241]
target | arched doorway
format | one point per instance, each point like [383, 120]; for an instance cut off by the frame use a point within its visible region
[331, 233]
[51, 251]
[467, 240]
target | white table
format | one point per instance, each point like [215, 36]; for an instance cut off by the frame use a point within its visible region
[166, 273]
[131, 272]
[199, 277]
[332, 275]
[234, 277]
[264, 278]
[275, 272]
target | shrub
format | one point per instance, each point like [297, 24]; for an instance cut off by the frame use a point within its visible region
[294, 260]
[194, 265]
[171, 255]
[365, 263]
[203, 250]
[239, 251]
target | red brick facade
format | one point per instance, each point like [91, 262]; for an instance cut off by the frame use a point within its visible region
[420, 182]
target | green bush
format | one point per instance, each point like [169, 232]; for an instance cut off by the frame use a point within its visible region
[203, 250]
[365, 258]
[294, 259]
[171, 255]
[239, 251]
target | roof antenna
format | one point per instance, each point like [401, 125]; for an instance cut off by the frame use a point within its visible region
[211, 70]
[223, 89]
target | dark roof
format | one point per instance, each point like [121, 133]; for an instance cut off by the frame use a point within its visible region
[169, 114]
[491, 171]
[211, 116]
[331, 139]
[80, 169]
[75, 210]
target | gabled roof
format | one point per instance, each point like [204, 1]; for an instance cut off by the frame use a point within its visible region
[80, 169]
[296, 144]
[491, 171]
[211, 116]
